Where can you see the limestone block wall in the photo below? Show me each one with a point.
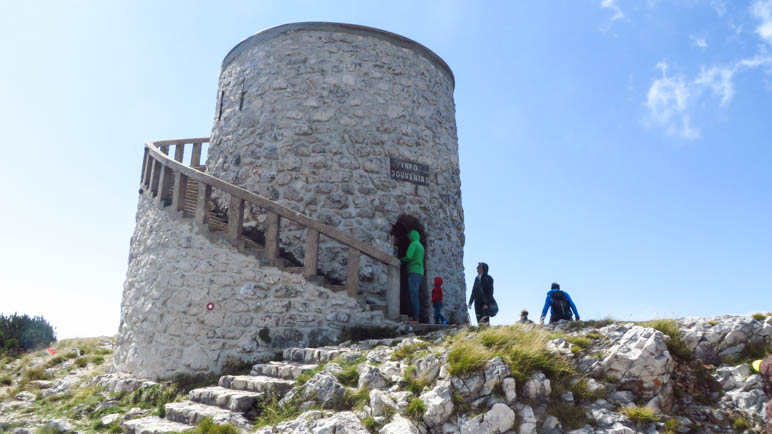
(309, 115)
(175, 272)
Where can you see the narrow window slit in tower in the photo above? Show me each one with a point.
(243, 92)
(222, 97)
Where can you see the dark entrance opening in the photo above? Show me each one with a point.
(399, 233)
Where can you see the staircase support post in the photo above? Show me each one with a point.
(235, 219)
(144, 168)
(272, 235)
(164, 186)
(352, 278)
(311, 253)
(195, 156)
(155, 174)
(392, 293)
(203, 206)
(178, 194)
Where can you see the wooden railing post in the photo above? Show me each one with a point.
(179, 151)
(148, 171)
(272, 236)
(392, 293)
(352, 278)
(144, 168)
(164, 186)
(165, 149)
(202, 205)
(155, 175)
(311, 253)
(235, 219)
(195, 156)
(178, 192)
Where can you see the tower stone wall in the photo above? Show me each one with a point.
(315, 116)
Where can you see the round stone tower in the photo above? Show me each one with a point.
(355, 127)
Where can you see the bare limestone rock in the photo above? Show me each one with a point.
(323, 389)
(399, 425)
(427, 368)
(381, 403)
(495, 372)
(537, 388)
(439, 404)
(370, 377)
(498, 419)
(641, 362)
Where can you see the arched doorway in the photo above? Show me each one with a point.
(399, 233)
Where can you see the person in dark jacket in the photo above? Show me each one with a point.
(482, 292)
(554, 296)
(437, 301)
(524, 317)
(765, 369)
(415, 270)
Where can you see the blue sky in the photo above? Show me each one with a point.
(618, 147)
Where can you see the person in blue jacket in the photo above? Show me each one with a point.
(560, 303)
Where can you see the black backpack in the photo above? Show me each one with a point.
(561, 309)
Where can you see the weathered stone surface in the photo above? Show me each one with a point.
(381, 403)
(439, 404)
(510, 389)
(427, 368)
(537, 388)
(640, 360)
(60, 425)
(499, 419)
(234, 400)
(191, 413)
(495, 372)
(551, 425)
(323, 389)
(399, 425)
(469, 387)
(370, 377)
(154, 425)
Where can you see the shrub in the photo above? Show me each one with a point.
(675, 345)
(640, 415)
(415, 409)
(81, 362)
(349, 376)
(739, 423)
(671, 426)
(5, 380)
(759, 316)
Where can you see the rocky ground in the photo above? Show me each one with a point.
(687, 375)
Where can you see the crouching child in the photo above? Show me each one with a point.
(437, 301)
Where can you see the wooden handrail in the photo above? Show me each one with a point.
(261, 202)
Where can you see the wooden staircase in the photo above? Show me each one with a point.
(187, 191)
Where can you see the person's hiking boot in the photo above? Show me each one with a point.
(444, 322)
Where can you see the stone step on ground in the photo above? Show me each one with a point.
(283, 370)
(256, 383)
(191, 413)
(315, 355)
(228, 399)
(154, 425)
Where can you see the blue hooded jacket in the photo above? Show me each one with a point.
(548, 303)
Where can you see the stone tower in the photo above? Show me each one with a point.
(351, 126)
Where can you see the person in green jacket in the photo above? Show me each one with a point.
(415, 270)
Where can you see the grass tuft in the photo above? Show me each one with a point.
(271, 412)
(640, 415)
(415, 409)
(407, 351)
(759, 316)
(207, 426)
(740, 423)
(570, 415)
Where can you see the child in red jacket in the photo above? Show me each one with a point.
(437, 301)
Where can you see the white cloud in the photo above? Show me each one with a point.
(609, 4)
(668, 101)
(719, 6)
(700, 42)
(719, 80)
(762, 9)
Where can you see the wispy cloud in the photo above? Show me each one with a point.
(668, 101)
(699, 42)
(762, 9)
(719, 6)
(671, 98)
(610, 4)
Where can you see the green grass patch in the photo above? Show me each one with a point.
(349, 376)
(271, 412)
(371, 425)
(675, 345)
(595, 324)
(408, 351)
(5, 380)
(671, 426)
(640, 415)
(412, 384)
(207, 426)
(56, 361)
(759, 316)
(81, 362)
(415, 409)
(581, 391)
(751, 352)
(113, 427)
(579, 341)
(356, 399)
(96, 359)
(307, 375)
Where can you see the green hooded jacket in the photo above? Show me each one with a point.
(415, 254)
